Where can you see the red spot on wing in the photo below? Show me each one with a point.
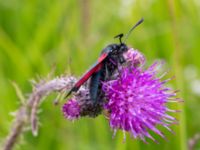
(102, 57)
(96, 67)
(92, 70)
(88, 74)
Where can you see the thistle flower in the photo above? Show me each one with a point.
(135, 99)
(134, 58)
(137, 102)
(81, 105)
(71, 109)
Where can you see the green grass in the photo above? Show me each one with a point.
(35, 35)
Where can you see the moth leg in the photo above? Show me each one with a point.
(122, 60)
(106, 72)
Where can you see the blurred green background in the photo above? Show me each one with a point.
(36, 35)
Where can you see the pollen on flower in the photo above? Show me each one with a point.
(137, 102)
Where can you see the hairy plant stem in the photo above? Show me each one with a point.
(27, 113)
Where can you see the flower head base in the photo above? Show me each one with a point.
(137, 102)
(81, 105)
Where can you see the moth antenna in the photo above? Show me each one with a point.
(129, 32)
(120, 37)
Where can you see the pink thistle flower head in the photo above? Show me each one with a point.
(81, 105)
(135, 99)
(137, 102)
(71, 109)
(134, 57)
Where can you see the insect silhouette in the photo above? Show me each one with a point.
(107, 63)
